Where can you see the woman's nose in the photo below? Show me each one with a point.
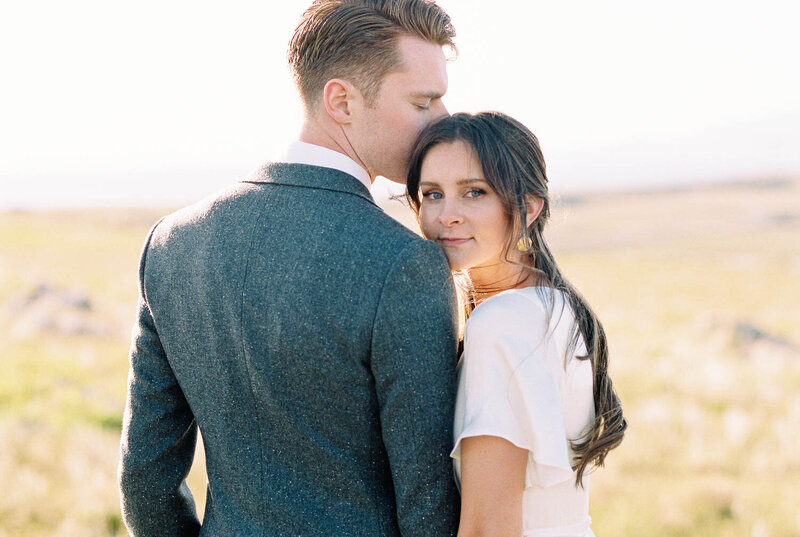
(450, 216)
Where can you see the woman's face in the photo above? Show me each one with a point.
(462, 213)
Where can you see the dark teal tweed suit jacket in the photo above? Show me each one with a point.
(312, 339)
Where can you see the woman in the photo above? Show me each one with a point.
(535, 408)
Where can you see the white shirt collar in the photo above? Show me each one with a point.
(316, 155)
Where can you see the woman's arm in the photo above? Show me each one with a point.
(492, 481)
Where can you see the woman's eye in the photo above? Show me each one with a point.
(432, 195)
(475, 193)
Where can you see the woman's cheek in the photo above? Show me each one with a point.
(425, 225)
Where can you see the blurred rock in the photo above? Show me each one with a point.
(749, 333)
(744, 340)
(784, 218)
(45, 310)
(758, 345)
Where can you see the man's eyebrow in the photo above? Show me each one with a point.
(428, 95)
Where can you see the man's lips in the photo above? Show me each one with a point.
(452, 241)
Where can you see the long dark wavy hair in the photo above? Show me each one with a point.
(513, 165)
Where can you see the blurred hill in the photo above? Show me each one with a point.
(718, 154)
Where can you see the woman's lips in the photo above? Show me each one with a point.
(452, 241)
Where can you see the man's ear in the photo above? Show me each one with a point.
(338, 97)
(535, 206)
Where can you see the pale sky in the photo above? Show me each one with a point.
(162, 102)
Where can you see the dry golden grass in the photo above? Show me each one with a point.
(698, 290)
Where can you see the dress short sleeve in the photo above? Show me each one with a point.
(509, 386)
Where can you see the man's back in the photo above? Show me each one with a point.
(313, 340)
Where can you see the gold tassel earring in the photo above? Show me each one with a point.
(524, 244)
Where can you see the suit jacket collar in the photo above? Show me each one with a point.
(299, 152)
(308, 176)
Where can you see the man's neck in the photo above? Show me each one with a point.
(327, 137)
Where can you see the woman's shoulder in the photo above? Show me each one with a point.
(516, 309)
(517, 319)
(521, 322)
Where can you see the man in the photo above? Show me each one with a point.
(309, 337)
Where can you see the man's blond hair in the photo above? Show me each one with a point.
(356, 40)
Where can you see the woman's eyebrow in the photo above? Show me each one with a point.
(459, 182)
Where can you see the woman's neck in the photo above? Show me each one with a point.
(484, 285)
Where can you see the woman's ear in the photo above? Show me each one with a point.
(535, 206)
(337, 97)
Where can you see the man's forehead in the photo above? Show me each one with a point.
(418, 53)
(424, 80)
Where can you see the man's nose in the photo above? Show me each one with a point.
(439, 110)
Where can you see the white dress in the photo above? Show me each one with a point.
(515, 383)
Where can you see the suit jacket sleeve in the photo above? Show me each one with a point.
(414, 363)
(158, 436)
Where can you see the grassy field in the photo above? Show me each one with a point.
(699, 290)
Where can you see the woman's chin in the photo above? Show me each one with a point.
(456, 264)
